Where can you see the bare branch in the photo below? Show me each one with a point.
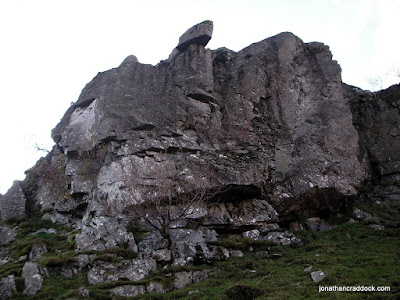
(39, 148)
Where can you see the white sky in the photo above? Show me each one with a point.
(49, 50)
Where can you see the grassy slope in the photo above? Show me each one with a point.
(350, 254)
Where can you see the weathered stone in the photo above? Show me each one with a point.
(186, 242)
(183, 279)
(12, 204)
(32, 274)
(271, 136)
(37, 251)
(361, 215)
(84, 259)
(199, 34)
(134, 270)
(252, 234)
(237, 253)
(308, 269)
(162, 255)
(152, 243)
(296, 226)
(267, 228)
(316, 224)
(104, 233)
(128, 290)
(318, 276)
(155, 287)
(7, 234)
(376, 227)
(7, 287)
(282, 238)
(83, 292)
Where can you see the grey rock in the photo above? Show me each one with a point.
(316, 224)
(282, 238)
(308, 269)
(152, 243)
(12, 204)
(187, 242)
(104, 233)
(37, 251)
(361, 215)
(183, 279)
(7, 234)
(32, 274)
(22, 258)
(267, 228)
(83, 292)
(134, 270)
(162, 255)
(128, 290)
(377, 119)
(155, 287)
(236, 253)
(318, 276)
(199, 34)
(84, 260)
(252, 234)
(296, 226)
(210, 104)
(377, 227)
(7, 287)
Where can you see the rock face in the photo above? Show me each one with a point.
(267, 120)
(12, 204)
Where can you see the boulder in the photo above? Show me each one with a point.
(134, 270)
(128, 290)
(318, 276)
(32, 274)
(199, 34)
(155, 287)
(7, 287)
(7, 234)
(183, 279)
(37, 251)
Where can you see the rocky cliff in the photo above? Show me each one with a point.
(209, 141)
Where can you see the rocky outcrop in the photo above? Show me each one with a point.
(377, 119)
(268, 117)
(12, 204)
(203, 144)
(104, 233)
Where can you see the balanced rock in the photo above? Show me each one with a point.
(199, 34)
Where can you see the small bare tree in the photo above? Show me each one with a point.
(165, 202)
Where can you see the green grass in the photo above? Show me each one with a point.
(350, 254)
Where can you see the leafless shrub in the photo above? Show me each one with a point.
(166, 202)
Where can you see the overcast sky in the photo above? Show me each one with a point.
(51, 48)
